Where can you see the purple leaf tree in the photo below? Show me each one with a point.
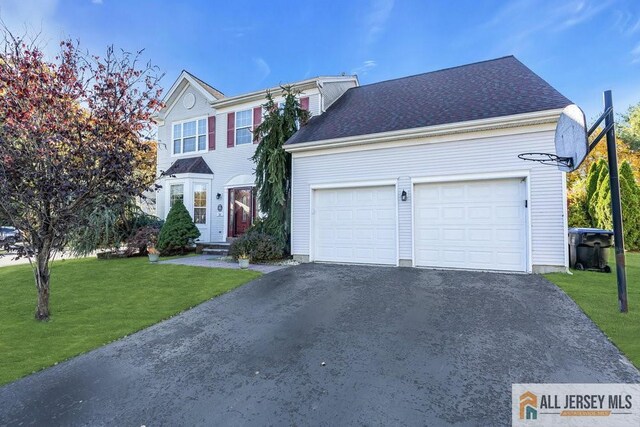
(74, 133)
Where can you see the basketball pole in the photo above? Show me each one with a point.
(616, 206)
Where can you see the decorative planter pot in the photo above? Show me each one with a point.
(243, 262)
(154, 257)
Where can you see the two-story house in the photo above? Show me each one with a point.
(205, 145)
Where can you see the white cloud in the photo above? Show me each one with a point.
(626, 22)
(579, 13)
(263, 68)
(364, 68)
(376, 19)
(524, 20)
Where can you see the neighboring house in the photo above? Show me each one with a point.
(423, 171)
(205, 145)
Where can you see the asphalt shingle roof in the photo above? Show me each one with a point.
(494, 88)
(212, 90)
(190, 165)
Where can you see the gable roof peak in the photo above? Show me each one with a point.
(211, 93)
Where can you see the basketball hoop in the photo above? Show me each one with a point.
(572, 147)
(571, 142)
(549, 159)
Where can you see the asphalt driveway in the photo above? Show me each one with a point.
(400, 346)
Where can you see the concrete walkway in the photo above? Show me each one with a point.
(213, 262)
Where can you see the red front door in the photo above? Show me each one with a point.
(241, 210)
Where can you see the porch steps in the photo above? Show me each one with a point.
(213, 248)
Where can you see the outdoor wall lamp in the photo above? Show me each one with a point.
(218, 196)
(403, 196)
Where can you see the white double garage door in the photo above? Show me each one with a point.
(478, 225)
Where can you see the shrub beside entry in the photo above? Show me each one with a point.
(178, 231)
(257, 246)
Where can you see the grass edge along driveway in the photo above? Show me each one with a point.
(94, 302)
(597, 295)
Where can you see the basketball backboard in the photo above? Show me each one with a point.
(571, 138)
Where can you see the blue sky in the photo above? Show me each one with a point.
(579, 46)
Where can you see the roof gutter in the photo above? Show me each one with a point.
(517, 120)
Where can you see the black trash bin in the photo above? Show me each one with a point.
(589, 249)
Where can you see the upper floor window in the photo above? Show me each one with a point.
(190, 136)
(244, 121)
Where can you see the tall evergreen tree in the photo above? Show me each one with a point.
(273, 163)
(630, 195)
(602, 200)
(577, 206)
(592, 189)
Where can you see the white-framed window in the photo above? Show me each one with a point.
(244, 122)
(199, 203)
(189, 136)
(176, 192)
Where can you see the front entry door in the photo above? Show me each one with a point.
(241, 210)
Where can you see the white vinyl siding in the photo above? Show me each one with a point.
(488, 154)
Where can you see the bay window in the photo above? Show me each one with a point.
(176, 192)
(199, 203)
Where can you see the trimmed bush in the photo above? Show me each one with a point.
(178, 231)
(258, 246)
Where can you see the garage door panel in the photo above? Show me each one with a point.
(387, 215)
(475, 224)
(479, 235)
(478, 193)
(428, 234)
(479, 257)
(362, 231)
(428, 213)
(509, 258)
(508, 212)
(452, 192)
(506, 235)
(454, 234)
(479, 212)
(363, 196)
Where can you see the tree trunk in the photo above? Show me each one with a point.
(42, 283)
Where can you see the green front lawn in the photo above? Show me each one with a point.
(597, 295)
(94, 302)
